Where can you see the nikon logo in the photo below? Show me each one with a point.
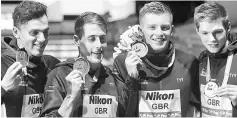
(35, 100)
(98, 100)
(159, 96)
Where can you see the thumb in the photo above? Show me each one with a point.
(18, 79)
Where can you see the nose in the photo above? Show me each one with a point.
(98, 43)
(42, 37)
(212, 38)
(159, 32)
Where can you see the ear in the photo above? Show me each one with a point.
(16, 32)
(172, 30)
(228, 27)
(197, 30)
(76, 40)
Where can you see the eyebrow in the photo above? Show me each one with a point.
(39, 29)
(97, 35)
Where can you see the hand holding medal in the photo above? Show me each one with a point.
(83, 66)
(132, 40)
(23, 58)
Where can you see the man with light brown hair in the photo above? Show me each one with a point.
(218, 63)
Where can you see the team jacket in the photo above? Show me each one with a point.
(101, 98)
(218, 106)
(24, 101)
(168, 95)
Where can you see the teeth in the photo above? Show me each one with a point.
(40, 46)
(158, 39)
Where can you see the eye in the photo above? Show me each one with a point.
(46, 34)
(218, 33)
(165, 27)
(34, 33)
(103, 39)
(91, 38)
(204, 33)
(152, 27)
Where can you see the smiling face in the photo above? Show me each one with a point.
(33, 36)
(157, 29)
(93, 42)
(212, 34)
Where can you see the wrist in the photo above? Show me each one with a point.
(6, 88)
(70, 97)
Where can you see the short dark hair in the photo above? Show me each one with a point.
(155, 8)
(210, 12)
(28, 10)
(88, 18)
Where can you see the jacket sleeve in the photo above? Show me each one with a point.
(5, 64)
(127, 88)
(54, 94)
(195, 93)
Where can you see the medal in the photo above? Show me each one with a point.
(140, 48)
(211, 88)
(22, 57)
(81, 65)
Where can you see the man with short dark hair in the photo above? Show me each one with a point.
(64, 96)
(218, 63)
(164, 82)
(31, 35)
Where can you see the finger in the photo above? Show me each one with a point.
(78, 81)
(120, 46)
(131, 54)
(17, 70)
(227, 94)
(18, 79)
(226, 90)
(231, 86)
(74, 72)
(76, 76)
(115, 54)
(137, 63)
(123, 43)
(117, 50)
(136, 58)
(71, 75)
(14, 65)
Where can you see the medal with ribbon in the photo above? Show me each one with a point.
(212, 84)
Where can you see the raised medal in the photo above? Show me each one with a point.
(22, 57)
(81, 65)
(140, 48)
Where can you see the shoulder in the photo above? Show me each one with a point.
(50, 61)
(183, 57)
(121, 58)
(60, 71)
(119, 61)
(202, 56)
(187, 60)
(57, 75)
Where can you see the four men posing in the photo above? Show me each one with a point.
(166, 82)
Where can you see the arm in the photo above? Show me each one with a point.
(58, 100)
(195, 94)
(11, 77)
(127, 88)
